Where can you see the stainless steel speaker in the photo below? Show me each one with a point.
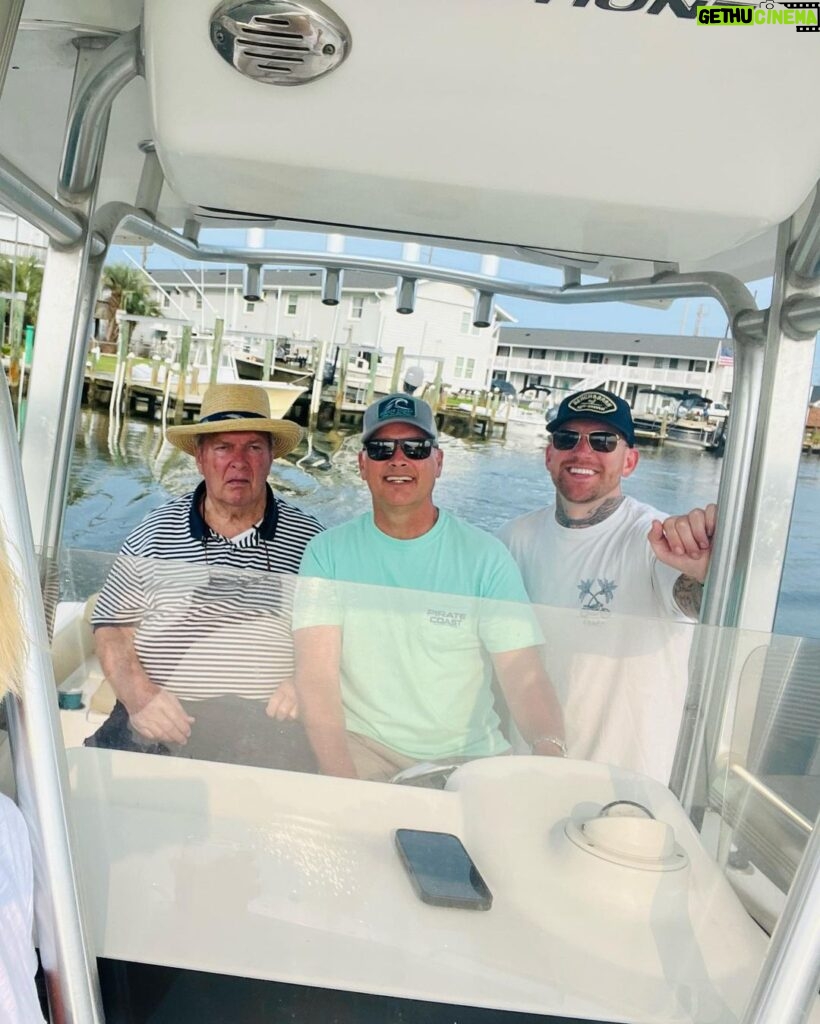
(280, 42)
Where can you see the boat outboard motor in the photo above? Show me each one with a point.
(413, 379)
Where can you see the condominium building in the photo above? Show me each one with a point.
(645, 369)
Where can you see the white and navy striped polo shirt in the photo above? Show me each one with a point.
(212, 616)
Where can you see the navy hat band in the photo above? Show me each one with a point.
(217, 417)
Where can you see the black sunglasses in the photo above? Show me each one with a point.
(413, 448)
(599, 440)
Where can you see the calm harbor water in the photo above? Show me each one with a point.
(117, 477)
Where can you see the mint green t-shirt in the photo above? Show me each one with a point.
(420, 619)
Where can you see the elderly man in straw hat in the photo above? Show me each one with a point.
(192, 626)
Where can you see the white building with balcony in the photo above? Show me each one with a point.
(365, 322)
(642, 368)
(19, 239)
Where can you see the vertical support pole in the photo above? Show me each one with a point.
(395, 380)
(184, 356)
(435, 398)
(755, 501)
(786, 988)
(341, 387)
(320, 358)
(269, 359)
(123, 345)
(10, 11)
(66, 950)
(216, 349)
(70, 283)
(371, 378)
(16, 315)
(775, 463)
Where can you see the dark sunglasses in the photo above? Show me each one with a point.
(599, 440)
(413, 448)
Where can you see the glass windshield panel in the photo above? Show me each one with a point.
(579, 887)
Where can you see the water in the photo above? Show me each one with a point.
(116, 480)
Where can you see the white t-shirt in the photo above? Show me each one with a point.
(617, 645)
(18, 996)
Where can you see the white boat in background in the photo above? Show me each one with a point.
(281, 394)
(241, 877)
(197, 380)
(697, 432)
(693, 422)
(522, 413)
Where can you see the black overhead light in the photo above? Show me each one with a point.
(483, 309)
(406, 295)
(331, 286)
(252, 283)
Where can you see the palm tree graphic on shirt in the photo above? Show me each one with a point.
(595, 595)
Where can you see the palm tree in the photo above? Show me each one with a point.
(27, 277)
(125, 288)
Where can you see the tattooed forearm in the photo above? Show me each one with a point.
(598, 515)
(688, 593)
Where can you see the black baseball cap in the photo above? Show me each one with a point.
(600, 405)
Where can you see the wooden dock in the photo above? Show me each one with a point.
(129, 385)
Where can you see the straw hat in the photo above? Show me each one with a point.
(231, 408)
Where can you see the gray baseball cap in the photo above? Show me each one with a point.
(398, 408)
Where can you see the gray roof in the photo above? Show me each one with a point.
(352, 280)
(611, 341)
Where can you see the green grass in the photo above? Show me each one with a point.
(107, 363)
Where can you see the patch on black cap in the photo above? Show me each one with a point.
(593, 401)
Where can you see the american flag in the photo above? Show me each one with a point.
(725, 357)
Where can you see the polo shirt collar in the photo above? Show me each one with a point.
(201, 531)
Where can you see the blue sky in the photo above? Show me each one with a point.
(685, 316)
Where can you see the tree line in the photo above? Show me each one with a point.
(122, 288)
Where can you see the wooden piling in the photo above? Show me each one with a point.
(216, 350)
(371, 379)
(395, 380)
(340, 390)
(269, 361)
(123, 344)
(184, 356)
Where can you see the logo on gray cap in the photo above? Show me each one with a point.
(394, 408)
(398, 408)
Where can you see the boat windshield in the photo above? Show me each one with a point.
(582, 888)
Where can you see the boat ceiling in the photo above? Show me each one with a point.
(577, 130)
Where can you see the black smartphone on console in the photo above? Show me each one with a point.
(441, 871)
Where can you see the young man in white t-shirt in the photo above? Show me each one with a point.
(618, 584)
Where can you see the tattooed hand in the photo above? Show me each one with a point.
(685, 542)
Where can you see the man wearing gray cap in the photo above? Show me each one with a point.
(402, 616)
(629, 577)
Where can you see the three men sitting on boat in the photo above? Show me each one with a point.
(402, 614)
(192, 627)
(616, 581)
